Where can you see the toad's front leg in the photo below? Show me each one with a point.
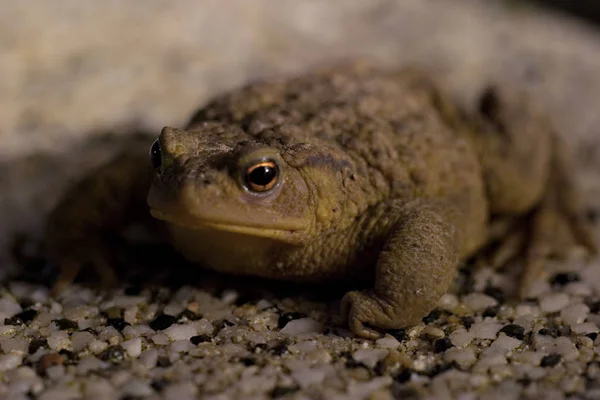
(415, 268)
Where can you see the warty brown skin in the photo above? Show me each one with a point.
(380, 176)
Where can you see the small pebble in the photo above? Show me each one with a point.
(550, 360)
(59, 340)
(388, 341)
(513, 330)
(563, 278)
(180, 332)
(485, 329)
(48, 360)
(442, 345)
(461, 337)
(287, 317)
(554, 302)
(302, 325)
(133, 347)
(369, 357)
(162, 322)
(574, 314)
(479, 301)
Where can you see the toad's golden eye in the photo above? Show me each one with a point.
(261, 177)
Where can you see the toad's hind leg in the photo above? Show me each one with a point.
(528, 178)
(83, 228)
(558, 223)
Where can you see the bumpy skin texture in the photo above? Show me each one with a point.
(380, 177)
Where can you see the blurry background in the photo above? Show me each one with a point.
(73, 70)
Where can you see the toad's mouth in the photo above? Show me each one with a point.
(287, 231)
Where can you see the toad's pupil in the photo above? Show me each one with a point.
(155, 155)
(262, 176)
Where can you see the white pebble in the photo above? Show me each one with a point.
(10, 361)
(485, 329)
(97, 346)
(160, 339)
(130, 315)
(111, 335)
(503, 345)
(55, 372)
(14, 345)
(180, 391)
(526, 321)
(566, 348)
(574, 314)
(181, 346)
(99, 389)
(461, 337)
(149, 358)
(80, 340)
(479, 301)
(59, 340)
(584, 328)
(89, 363)
(362, 390)
(61, 392)
(180, 332)
(9, 307)
(137, 388)
(527, 310)
(302, 325)
(388, 342)
(309, 376)
(464, 357)
(133, 347)
(448, 302)
(553, 302)
(303, 347)
(370, 357)
(263, 304)
(204, 327)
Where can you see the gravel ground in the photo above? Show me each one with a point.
(224, 337)
(220, 341)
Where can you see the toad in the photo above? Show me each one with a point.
(345, 173)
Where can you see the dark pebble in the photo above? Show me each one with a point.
(563, 278)
(514, 330)
(548, 332)
(222, 324)
(351, 363)
(248, 361)
(467, 321)
(280, 391)
(117, 323)
(66, 324)
(196, 340)
(403, 376)
(438, 369)
(70, 357)
(162, 322)
(287, 317)
(279, 349)
(595, 307)
(441, 345)
(592, 335)
(491, 311)
(21, 318)
(495, 292)
(379, 369)
(432, 316)
(550, 360)
(399, 334)
(163, 362)
(114, 354)
(159, 384)
(37, 344)
(188, 315)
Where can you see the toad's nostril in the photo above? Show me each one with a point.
(156, 155)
